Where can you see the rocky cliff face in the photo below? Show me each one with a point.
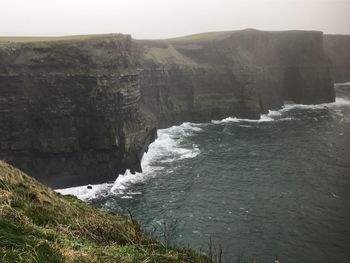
(70, 111)
(337, 47)
(242, 74)
(82, 110)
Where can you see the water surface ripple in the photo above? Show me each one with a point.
(278, 186)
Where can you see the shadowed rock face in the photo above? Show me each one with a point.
(81, 111)
(337, 47)
(241, 74)
(70, 111)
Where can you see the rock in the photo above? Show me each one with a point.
(61, 119)
(243, 73)
(337, 48)
(83, 110)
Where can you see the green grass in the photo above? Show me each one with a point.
(40, 225)
(194, 37)
(24, 39)
(169, 55)
(219, 35)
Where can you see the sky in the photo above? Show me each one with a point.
(149, 19)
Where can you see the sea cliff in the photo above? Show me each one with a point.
(70, 111)
(337, 48)
(83, 109)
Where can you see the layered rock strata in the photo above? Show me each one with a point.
(83, 109)
(243, 74)
(70, 111)
(337, 48)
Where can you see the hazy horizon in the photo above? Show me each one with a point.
(171, 18)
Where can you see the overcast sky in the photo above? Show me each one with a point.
(169, 18)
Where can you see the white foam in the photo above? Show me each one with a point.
(338, 102)
(342, 84)
(275, 115)
(83, 193)
(126, 197)
(263, 118)
(187, 154)
(134, 193)
(190, 126)
(342, 101)
(123, 181)
(169, 148)
(166, 149)
(229, 119)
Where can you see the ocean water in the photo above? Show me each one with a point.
(257, 189)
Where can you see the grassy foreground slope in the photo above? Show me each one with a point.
(40, 225)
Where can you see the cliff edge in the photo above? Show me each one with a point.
(40, 225)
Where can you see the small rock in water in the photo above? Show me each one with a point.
(89, 186)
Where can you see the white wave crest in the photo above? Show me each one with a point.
(166, 149)
(84, 193)
(342, 84)
(339, 101)
(169, 148)
(190, 126)
(276, 114)
(342, 101)
(263, 118)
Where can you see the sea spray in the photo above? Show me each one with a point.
(166, 149)
(169, 148)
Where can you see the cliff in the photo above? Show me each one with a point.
(337, 47)
(70, 111)
(236, 73)
(83, 109)
(40, 225)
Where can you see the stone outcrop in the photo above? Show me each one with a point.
(84, 109)
(337, 47)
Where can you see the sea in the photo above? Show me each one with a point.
(255, 189)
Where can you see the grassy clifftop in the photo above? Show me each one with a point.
(40, 225)
(26, 39)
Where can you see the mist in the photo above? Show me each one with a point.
(163, 19)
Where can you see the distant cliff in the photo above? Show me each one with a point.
(243, 73)
(337, 47)
(82, 109)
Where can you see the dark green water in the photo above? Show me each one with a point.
(279, 186)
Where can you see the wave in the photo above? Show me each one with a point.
(84, 193)
(263, 118)
(169, 147)
(342, 84)
(277, 115)
(344, 101)
(339, 101)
